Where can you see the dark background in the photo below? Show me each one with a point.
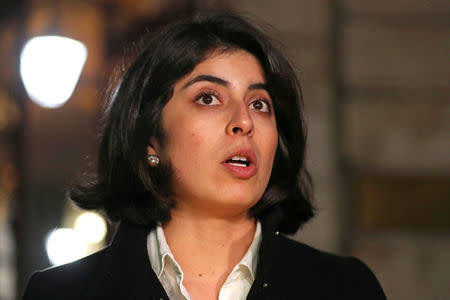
(376, 81)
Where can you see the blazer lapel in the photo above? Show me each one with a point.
(125, 272)
(267, 259)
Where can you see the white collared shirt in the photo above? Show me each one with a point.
(169, 273)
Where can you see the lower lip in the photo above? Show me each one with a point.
(241, 172)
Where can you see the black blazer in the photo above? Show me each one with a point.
(286, 270)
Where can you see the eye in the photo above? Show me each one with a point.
(207, 99)
(260, 105)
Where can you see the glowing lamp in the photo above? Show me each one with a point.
(64, 245)
(50, 67)
(91, 227)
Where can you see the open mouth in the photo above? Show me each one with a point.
(241, 163)
(238, 161)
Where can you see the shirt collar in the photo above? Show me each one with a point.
(158, 250)
(250, 258)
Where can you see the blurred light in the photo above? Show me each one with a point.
(50, 67)
(91, 227)
(64, 245)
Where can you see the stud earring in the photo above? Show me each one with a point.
(153, 160)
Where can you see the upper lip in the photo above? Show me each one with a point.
(246, 152)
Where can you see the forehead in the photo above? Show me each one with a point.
(231, 64)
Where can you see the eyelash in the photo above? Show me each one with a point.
(204, 94)
(266, 102)
(215, 95)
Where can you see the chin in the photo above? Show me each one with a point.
(238, 203)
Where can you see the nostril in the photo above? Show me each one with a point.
(235, 129)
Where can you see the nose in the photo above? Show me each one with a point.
(241, 122)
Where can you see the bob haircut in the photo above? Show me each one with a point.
(127, 189)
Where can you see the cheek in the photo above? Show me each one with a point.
(271, 147)
(270, 140)
(185, 143)
(272, 151)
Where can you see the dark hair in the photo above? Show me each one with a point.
(128, 189)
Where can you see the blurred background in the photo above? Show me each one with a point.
(375, 76)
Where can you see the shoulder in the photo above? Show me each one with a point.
(323, 272)
(298, 252)
(66, 281)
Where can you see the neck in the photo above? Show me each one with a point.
(206, 245)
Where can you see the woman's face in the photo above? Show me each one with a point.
(221, 135)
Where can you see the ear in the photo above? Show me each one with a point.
(152, 147)
(151, 150)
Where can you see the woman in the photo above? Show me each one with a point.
(202, 162)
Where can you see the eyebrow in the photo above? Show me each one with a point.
(220, 81)
(259, 86)
(209, 78)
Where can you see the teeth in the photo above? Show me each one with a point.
(239, 158)
(239, 161)
(238, 164)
